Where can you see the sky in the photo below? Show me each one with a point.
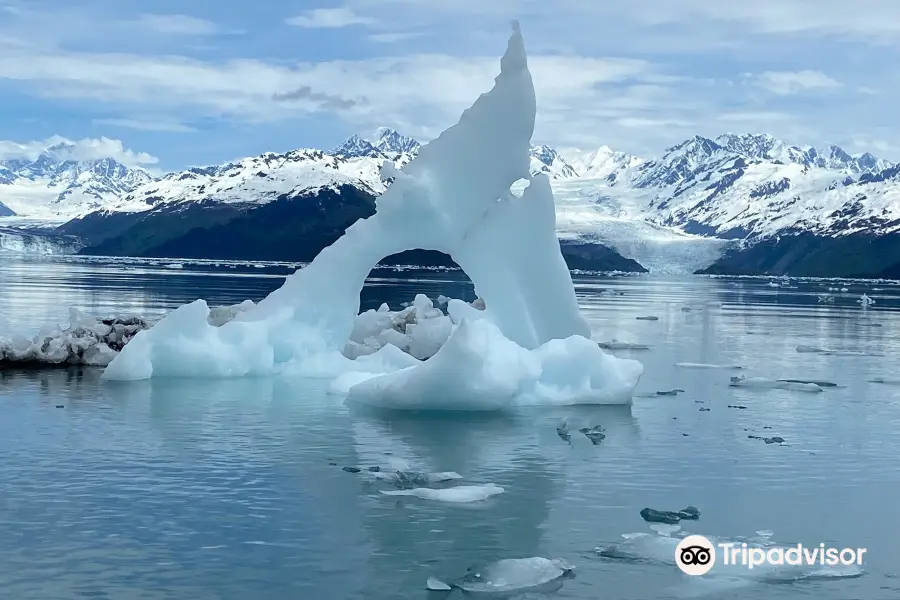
(168, 84)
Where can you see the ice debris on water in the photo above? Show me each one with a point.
(89, 341)
(690, 365)
(818, 382)
(670, 517)
(510, 576)
(86, 341)
(806, 349)
(436, 585)
(673, 392)
(596, 434)
(413, 479)
(457, 494)
(762, 383)
(617, 345)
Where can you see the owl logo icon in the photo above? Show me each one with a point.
(695, 555)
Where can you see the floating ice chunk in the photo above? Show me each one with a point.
(814, 350)
(174, 266)
(809, 349)
(410, 479)
(510, 576)
(436, 585)
(690, 365)
(617, 345)
(458, 494)
(761, 383)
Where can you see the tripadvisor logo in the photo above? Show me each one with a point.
(696, 555)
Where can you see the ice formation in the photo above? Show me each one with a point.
(529, 344)
(762, 383)
(509, 577)
(86, 341)
(458, 494)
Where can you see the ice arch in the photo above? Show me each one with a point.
(455, 198)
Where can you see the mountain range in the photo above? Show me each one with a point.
(777, 208)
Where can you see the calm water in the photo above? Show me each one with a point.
(225, 490)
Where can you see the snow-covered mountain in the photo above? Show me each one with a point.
(54, 187)
(753, 186)
(734, 186)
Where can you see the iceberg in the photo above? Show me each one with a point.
(526, 343)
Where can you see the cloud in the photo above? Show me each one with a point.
(390, 38)
(327, 101)
(329, 18)
(148, 124)
(753, 117)
(178, 25)
(785, 83)
(79, 150)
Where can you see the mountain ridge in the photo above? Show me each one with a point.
(746, 187)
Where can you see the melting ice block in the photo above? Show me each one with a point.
(529, 344)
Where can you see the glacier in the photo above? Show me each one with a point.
(529, 345)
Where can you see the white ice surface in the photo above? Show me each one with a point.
(690, 365)
(459, 494)
(529, 345)
(762, 383)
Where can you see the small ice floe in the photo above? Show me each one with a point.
(773, 284)
(762, 383)
(826, 298)
(174, 266)
(769, 440)
(865, 301)
(670, 517)
(673, 392)
(819, 382)
(510, 576)
(815, 350)
(885, 381)
(413, 479)
(844, 290)
(690, 365)
(596, 434)
(617, 345)
(803, 348)
(648, 318)
(457, 495)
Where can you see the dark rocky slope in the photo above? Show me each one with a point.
(286, 229)
(811, 255)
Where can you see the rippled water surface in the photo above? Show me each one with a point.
(234, 489)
